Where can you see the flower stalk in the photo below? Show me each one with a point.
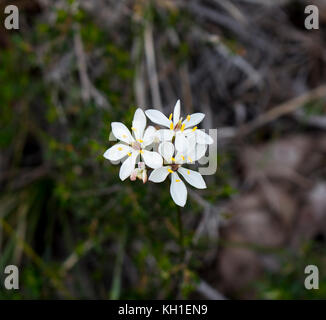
(181, 234)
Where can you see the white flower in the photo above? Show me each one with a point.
(178, 128)
(133, 146)
(178, 189)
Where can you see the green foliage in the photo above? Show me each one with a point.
(314, 108)
(288, 282)
(73, 227)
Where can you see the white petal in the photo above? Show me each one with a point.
(194, 119)
(194, 178)
(191, 155)
(121, 132)
(152, 159)
(203, 138)
(166, 150)
(200, 151)
(149, 136)
(159, 175)
(180, 158)
(178, 190)
(181, 142)
(176, 113)
(128, 166)
(139, 123)
(189, 132)
(158, 117)
(191, 136)
(117, 152)
(195, 151)
(165, 134)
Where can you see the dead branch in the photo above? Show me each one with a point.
(281, 110)
(88, 89)
(151, 66)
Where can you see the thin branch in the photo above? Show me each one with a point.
(88, 89)
(37, 260)
(82, 68)
(282, 109)
(139, 79)
(209, 292)
(151, 66)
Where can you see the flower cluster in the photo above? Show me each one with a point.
(178, 144)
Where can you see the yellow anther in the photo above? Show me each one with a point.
(129, 154)
(140, 140)
(182, 157)
(188, 171)
(189, 159)
(120, 149)
(188, 118)
(170, 170)
(177, 180)
(194, 129)
(172, 159)
(133, 129)
(171, 125)
(141, 151)
(170, 117)
(182, 127)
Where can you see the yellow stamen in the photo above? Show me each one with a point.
(140, 140)
(177, 180)
(172, 159)
(194, 129)
(170, 117)
(188, 171)
(189, 159)
(170, 170)
(171, 125)
(182, 157)
(120, 149)
(133, 129)
(188, 118)
(141, 151)
(182, 127)
(129, 154)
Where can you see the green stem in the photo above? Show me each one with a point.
(182, 250)
(181, 239)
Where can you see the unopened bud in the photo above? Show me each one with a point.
(144, 176)
(133, 175)
(141, 165)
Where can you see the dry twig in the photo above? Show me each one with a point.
(281, 110)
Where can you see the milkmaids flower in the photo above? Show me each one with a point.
(178, 189)
(179, 128)
(134, 145)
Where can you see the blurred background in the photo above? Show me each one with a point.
(77, 232)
